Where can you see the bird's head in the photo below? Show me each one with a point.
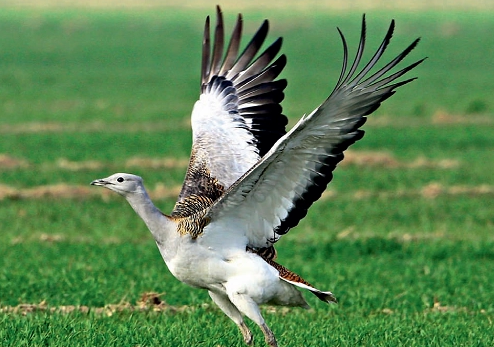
(122, 183)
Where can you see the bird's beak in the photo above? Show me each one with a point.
(100, 182)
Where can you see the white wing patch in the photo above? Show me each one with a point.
(220, 132)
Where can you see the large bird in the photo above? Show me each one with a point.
(249, 181)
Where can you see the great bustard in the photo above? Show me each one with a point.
(249, 181)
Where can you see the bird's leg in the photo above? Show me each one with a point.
(233, 313)
(250, 308)
(246, 333)
(268, 335)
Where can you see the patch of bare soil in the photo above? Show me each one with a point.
(79, 165)
(387, 160)
(370, 158)
(7, 162)
(407, 237)
(148, 302)
(353, 234)
(57, 191)
(434, 190)
(438, 307)
(33, 127)
(66, 191)
(51, 238)
(422, 162)
(7, 192)
(95, 126)
(445, 118)
(430, 191)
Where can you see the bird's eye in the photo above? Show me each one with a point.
(120, 179)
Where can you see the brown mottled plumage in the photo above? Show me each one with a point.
(199, 191)
(193, 224)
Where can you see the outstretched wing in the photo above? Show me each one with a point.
(276, 193)
(238, 117)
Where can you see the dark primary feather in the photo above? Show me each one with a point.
(361, 105)
(250, 51)
(259, 95)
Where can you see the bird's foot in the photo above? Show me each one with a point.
(269, 336)
(246, 333)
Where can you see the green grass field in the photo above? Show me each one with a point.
(404, 236)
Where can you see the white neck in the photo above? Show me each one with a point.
(160, 225)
